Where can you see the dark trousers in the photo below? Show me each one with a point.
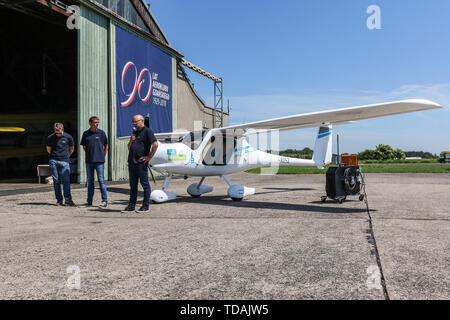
(138, 172)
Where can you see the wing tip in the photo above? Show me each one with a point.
(424, 102)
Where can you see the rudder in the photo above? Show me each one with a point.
(323, 147)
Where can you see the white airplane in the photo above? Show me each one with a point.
(222, 151)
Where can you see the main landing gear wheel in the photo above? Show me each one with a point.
(237, 199)
(195, 190)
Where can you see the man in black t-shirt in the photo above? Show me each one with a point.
(95, 145)
(60, 147)
(142, 146)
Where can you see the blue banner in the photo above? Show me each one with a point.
(143, 83)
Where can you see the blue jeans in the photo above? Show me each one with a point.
(100, 168)
(61, 172)
(139, 172)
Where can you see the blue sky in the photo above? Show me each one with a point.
(287, 57)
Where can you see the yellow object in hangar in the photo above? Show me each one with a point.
(11, 129)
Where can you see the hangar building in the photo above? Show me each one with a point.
(65, 61)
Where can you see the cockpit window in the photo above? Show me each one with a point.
(193, 139)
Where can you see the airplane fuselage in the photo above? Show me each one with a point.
(178, 158)
(222, 151)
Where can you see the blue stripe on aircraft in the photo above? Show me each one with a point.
(241, 149)
(323, 135)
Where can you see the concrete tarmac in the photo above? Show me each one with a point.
(281, 243)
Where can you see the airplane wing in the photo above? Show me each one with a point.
(315, 119)
(337, 116)
(171, 135)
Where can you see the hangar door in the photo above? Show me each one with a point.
(38, 57)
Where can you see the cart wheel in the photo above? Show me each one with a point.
(323, 198)
(361, 197)
(340, 200)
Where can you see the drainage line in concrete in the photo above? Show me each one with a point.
(372, 234)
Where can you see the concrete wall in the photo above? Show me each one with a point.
(190, 108)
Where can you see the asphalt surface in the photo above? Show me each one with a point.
(281, 243)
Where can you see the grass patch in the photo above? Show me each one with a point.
(370, 168)
(399, 161)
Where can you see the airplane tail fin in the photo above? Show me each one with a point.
(323, 146)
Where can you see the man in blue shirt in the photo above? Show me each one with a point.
(60, 147)
(142, 146)
(95, 145)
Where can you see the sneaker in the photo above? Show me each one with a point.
(85, 205)
(103, 204)
(70, 204)
(128, 209)
(142, 209)
(59, 204)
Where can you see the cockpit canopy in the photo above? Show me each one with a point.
(193, 139)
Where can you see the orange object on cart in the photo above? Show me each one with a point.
(349, 159)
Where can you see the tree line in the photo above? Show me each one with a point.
(381, 152)
(386, 152)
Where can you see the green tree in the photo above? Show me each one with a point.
(384, 152)
(367, 155)
(399, 154)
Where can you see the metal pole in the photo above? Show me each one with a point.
(338, 155)
(215, 104)
(221, 104)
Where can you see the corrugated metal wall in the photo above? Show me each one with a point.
(92, 78)
(119, 152)
(97, 87)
